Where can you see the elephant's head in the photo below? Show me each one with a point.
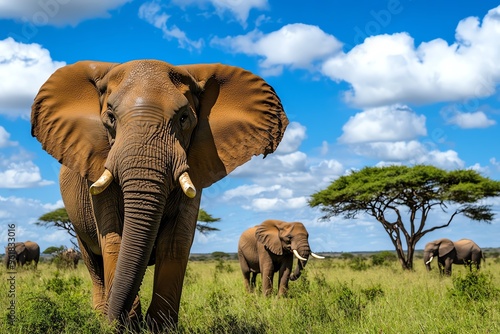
(151, 129)
(281, 238)
(439, 248)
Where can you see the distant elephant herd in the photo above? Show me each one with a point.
(270, 247)
(25, 253)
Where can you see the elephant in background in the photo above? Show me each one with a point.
(463, 251)
(72, 256)
(138, 141)
(22, 253)
(270, 247)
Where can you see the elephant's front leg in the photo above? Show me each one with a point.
(284, 276)
(267, 270)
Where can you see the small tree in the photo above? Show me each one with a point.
(204, 219)
(58, 219)
(54, 250)
(382, 191)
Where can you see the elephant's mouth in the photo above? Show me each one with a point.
(106, 178)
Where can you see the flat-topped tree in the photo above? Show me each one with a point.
(383, 192)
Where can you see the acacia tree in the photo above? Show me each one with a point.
(59, 219)
(204, 219)
(385, 192)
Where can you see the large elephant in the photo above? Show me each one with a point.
(137, 142)
(463, 251)
(21, 253)
(270, 247)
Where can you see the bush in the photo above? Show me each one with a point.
(373, 292)
(358, 263)
(383, 258)
(348, 302)
(61, 305)
(474, 286)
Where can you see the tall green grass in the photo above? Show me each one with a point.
(332, 296)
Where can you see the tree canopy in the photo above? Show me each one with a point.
(385, 192)
(204, 219)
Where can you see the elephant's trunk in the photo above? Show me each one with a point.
(302, 253)
(428, 257)
(146, 173)
(142, 217)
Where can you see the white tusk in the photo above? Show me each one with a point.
(430, 260)
(102, 183)
(187, 185)
(298, 256)
(317, 256)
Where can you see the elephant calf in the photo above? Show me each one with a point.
(268, 248)
(463, 251)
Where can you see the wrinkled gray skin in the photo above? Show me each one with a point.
(23, 253)
(267, 249)
(447, 252)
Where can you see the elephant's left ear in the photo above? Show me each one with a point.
(268, 233)
(240, 116)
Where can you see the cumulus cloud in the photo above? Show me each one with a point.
(387, 69)
(57, 13)
(27, 66)
(239, 9)
(294, 136)
(152, 13)
(469, 120)
(5, 138)
(392, 123)
(17, 175)
(294, 45)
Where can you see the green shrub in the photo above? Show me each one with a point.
(348, 302)
(474, 286)
(373, 292)
(383, 258)
(60, 305)
(358, 263)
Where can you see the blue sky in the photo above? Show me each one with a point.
(363, 84)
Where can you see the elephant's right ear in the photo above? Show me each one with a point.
(445, 247)
(65, 118)
(268, 234)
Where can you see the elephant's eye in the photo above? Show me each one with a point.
(184, 118)
(111, 117)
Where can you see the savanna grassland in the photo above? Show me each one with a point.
(341, 295)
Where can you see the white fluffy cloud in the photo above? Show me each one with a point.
(57, 12)
(27, 66)
(393, 123)
(294, 45)
(21, 175)
(387, 69)
(5, 138)
(152, 13)
(294, 136)
(472, 120)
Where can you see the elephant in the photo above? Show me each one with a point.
(21, 253)
(137, 142)
(270, 247)
(71, 256)
(463, 251)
